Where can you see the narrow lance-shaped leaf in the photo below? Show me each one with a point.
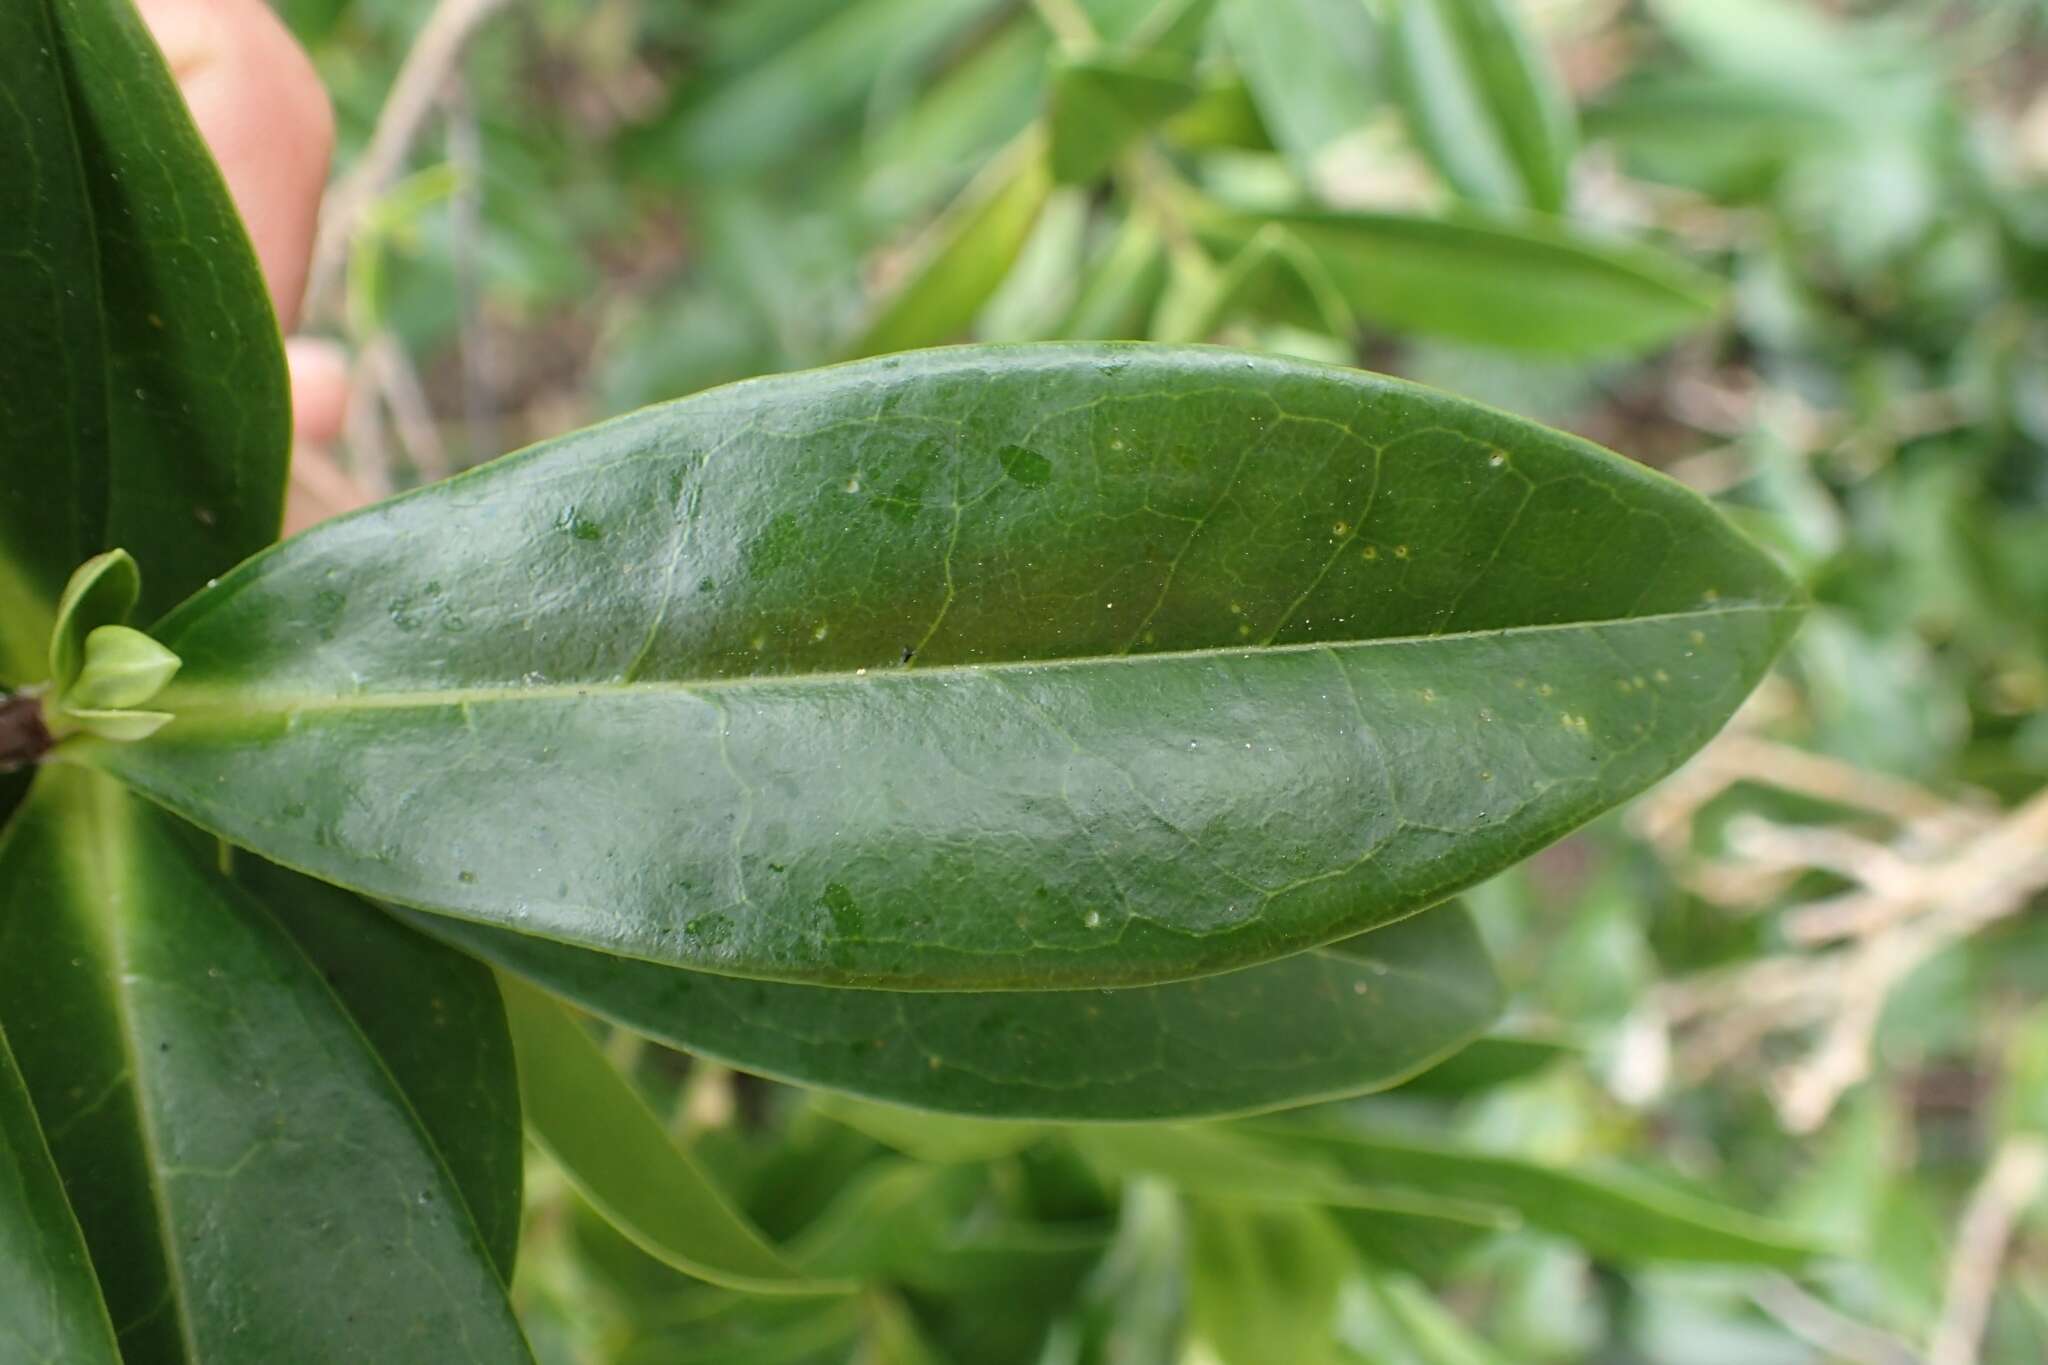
(251, 1184)
(54, 1310)
(1484, 101)
(623, 1161)
(1008, 668)
(1608, 1213)
(1353, 1017)
(965, 255)
(1099, 105)
(142, 381)
(1312, 67)
(1532, 285)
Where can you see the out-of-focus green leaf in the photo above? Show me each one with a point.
(1533, 285)
(1264, 1283)
(963, 257)
(54, 1311)
(1150, 596)
(1312, 67)
(142, 382)
(769, 109)
(1218, 1162)
(1223, 115)
(1199, 297)
(1612, 1214)
(1339, 1020)
(1483, 101)
(755, 1331)
(1098, 105)
(937, 1138)
(1495, 1060)
(1118, 290)
(620, 1158)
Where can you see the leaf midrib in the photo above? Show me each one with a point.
(255, 701)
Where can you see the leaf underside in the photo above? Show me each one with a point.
(1336, 1021)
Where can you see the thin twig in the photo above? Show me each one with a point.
(414, 93)
(2014, 1180)
(1823, 1325)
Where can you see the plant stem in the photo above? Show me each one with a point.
(24, 739)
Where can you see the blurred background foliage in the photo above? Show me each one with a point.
(1793, 253)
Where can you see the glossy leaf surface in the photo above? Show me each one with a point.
(434, 1018)
(999, 668)
(1340, 1020)
(54, 1311)
(251, 1184)
(142, 381)
(623, 1161)
(1483, 101)
(1531, 285)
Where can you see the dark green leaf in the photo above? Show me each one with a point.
(1619, 1216)
(142, 382)
(1099, 105)
(623, 1161)
(251, 1184)
(53, 1309)
(1532, 285)
(1007, 668)
(434, 1018)
(1312, 67)
(1340, 1020)
(1484, 102)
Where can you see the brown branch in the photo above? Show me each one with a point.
(24, 739)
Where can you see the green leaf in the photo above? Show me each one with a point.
(1484, 102)
(1312, 66)
(101, 592)
(619, 1157)
(142, 381)
(1498, 1059)
(250, 1183)
(1117, 291)
(123, 669)
(1012, 668)
(1264, 1283)
(1098, 105)
(1333, 1021)
(1201, 298)
(964, 256)
(54, 1311)
(434, 1018)
(778, 102)
(1218, 1162)
(1531, 285)
(1614, 1215)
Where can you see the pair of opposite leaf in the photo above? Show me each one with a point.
(103, 672)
